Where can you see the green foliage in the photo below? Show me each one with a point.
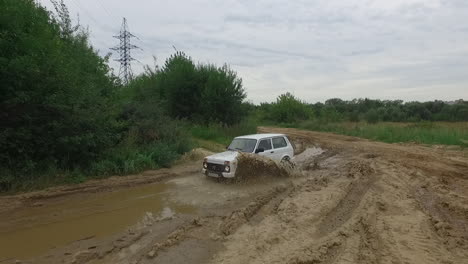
(64, 117)
(331, 116)
(372, 116)
(222, 95)
(202, 93)
(55, 93)
(179, 85)
(354, 116)
(337, 110)
(124, 160)
(287, 108)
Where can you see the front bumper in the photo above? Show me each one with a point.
(218, 174)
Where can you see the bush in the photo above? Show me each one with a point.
(203, 93)
(286, 109)
(372, 116)
(354, 116)
(125, 160)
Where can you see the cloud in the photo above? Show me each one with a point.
(407, 49)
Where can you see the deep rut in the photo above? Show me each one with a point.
(354, 193)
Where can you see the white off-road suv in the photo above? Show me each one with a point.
(224, 164)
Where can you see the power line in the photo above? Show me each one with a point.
(125, 58)
(85, 11)
(106, 10)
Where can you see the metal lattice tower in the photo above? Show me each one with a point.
(125, 72)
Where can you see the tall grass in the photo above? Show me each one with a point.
(126, 158)
(223, 134)
(443, 133)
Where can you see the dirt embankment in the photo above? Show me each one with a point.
(355, 201)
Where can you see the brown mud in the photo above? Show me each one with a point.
(351, 201)
(252, 167)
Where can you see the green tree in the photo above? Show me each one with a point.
(56, 92)
(202, 93)
(222, 96)
(288, 109)
(372, 116)
(354, 116)
(180, 85)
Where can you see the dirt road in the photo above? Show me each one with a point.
(350, 201)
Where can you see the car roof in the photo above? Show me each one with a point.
(260, 136)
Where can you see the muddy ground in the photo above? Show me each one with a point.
(350, 200)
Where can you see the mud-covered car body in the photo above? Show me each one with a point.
(274, 146)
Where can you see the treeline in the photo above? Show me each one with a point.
(64, 116)
(289, 109)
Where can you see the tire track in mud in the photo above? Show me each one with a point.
(363, 228)
(326, 253)
(241, 216)
(326, 245)
(328, 229)
(369, 246)
(401, 228)
(356, 190)
(449, 221)
(226, 224)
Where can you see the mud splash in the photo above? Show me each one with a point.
(254, 167)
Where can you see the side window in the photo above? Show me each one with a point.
(279, 142)
(265, 144)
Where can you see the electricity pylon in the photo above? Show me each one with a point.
(125, 71)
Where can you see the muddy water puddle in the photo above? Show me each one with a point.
(57, 222)
(32, 231)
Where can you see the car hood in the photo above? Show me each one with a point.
(223, 156)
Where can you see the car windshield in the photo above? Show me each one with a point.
(243, 144)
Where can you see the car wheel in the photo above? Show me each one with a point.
(286, 161)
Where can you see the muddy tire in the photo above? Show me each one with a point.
(286, 162)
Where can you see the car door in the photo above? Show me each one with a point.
(265, 144)
(280, 147)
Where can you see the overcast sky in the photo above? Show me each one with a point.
(383, 49)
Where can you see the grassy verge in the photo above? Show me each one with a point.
(443, 133)
(223, 134)
(124, 159)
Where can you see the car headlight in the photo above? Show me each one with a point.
(227, 167)
(205, 164)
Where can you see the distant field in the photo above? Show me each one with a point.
(445, 133)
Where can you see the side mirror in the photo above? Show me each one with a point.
(259, 150)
